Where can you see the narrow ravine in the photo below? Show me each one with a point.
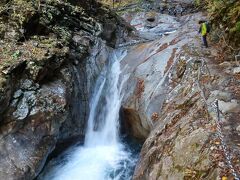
(67, 112)
(103, 155)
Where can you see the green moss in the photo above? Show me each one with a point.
(197, 2)
(237, 26)
(16, 54)
(179, 168)
(22, 11)
(195, 146)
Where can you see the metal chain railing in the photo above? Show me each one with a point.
(219, 133)
(222, 143)
(217, 120)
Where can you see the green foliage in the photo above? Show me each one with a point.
(14, 14)
(16, 54)
(225, 14)
(237, 26)
(22, 10)
(197, 2)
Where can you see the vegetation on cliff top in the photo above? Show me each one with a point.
(118, 3)
(225, 15)
(33, 34)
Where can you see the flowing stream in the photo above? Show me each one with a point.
(103, 155)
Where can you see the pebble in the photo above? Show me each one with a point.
(225, 64)
(221, 164)
(227, 128)
(212, 148)
(238, 128)
(227, 107)
(236, 70)
(35, 44)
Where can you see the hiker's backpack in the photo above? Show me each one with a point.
(208, 26)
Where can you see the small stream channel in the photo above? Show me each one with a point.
(105, 154)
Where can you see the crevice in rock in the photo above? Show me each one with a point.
(34, 27)
(131, 123)
(151, 19)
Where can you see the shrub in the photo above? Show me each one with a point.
(225, 14)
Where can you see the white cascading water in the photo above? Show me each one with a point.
(103, 156)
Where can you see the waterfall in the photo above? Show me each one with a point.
(103, 124)
(103, 156)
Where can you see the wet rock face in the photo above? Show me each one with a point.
(147, 66)
(152, 25)
(46, 76)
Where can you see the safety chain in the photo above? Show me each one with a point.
(217, 121)
(223, 144)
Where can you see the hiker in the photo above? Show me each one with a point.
(203, 30)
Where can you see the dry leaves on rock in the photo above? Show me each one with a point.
(154, 116)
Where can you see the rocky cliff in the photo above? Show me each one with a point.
(173, 84)
(51, 53)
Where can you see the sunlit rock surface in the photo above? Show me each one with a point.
(168, 82)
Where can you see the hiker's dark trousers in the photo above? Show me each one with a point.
(205, 40)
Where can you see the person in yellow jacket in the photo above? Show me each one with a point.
(203, 30)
